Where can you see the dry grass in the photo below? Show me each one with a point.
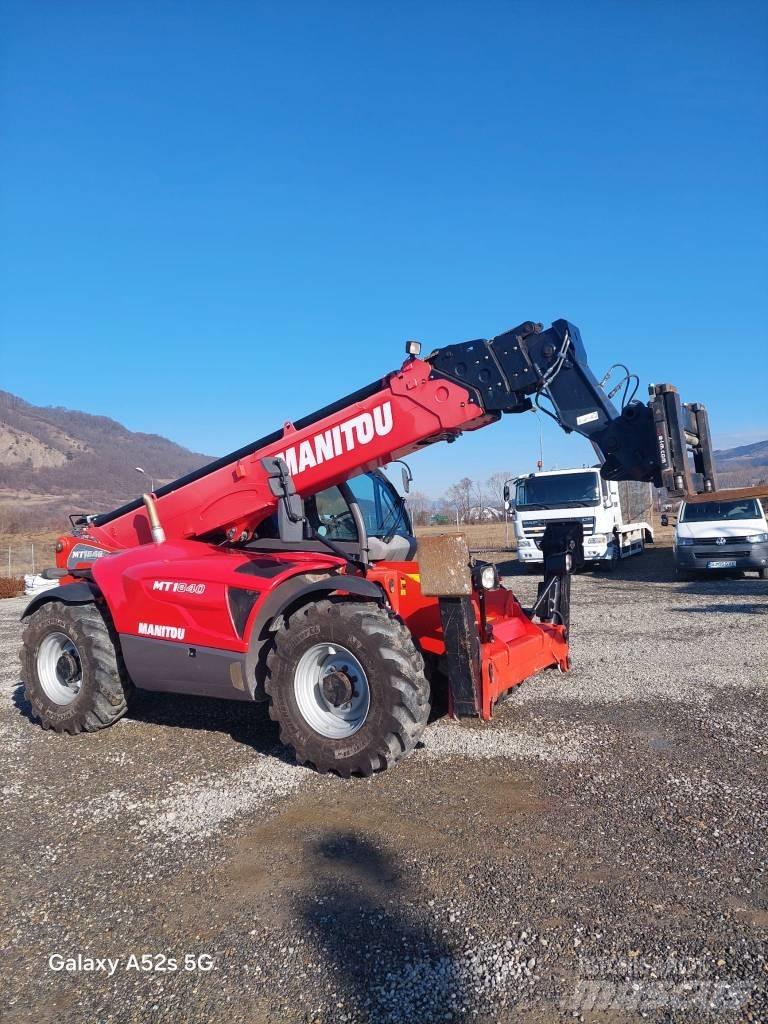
(11, 587)
(479, 535)
(43, 539)
(22, 552)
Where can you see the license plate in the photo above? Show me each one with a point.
(722, 565)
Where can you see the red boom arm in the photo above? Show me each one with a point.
(405, 411)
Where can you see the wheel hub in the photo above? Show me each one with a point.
(67, 668)
(338, 687)
(332, 690)
(59, 668)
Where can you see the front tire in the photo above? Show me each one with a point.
(346, 685)
(611, 564)
(75, 679)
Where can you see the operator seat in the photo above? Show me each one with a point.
(397, 549)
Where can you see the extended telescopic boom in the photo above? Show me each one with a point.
(456, 388)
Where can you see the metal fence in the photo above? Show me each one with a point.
(21, 559)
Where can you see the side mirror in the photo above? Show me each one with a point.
(506, 495)
(407, 477)
(664, 519)
(507, 505)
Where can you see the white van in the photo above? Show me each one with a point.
(722, 536)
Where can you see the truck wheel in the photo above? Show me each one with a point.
(609, 564)
(74, 675)
(347, 686)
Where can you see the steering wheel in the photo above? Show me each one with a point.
(333, 521)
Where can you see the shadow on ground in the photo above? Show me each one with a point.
(657, 565)
(734, 608)
(385, 964)
(246, 723)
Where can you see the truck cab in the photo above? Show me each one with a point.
(716, 536)
(578, 495)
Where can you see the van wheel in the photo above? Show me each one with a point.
(347, 686)
(74, 675)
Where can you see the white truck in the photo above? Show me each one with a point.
(575, 494)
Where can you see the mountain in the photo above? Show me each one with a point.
(54, 461)
(742, 466)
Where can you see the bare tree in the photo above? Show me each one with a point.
(419, 507)
(494, 486)
(460, 498)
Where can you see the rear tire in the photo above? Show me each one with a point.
(75, 679)
(365, 648)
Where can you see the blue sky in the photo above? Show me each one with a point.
(221, 215)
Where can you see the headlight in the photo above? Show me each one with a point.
(525, 542)
(757, 538)
(486, 577)
(597, 538)
(685, 542)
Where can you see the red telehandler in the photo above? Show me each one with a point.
(286, 570)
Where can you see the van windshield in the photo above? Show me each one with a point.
(710, 511)
(567, 491)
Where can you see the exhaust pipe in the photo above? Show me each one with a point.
(158, 533)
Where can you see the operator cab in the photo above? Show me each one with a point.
(334, 513)
(330, 513)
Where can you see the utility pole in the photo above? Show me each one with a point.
(151, 478)
(540, 463)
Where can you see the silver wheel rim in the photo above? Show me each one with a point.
(315, 665)
(59, 668)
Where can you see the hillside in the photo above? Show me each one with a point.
(54, 461)
(749, 461)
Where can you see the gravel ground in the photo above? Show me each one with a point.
(595, 853)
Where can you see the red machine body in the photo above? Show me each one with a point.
(180, 594)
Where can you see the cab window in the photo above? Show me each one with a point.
(380, 506)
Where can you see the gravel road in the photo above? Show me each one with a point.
(596, 853)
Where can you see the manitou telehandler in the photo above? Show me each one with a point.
(286, 571)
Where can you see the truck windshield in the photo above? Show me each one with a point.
(567, 491)
(710, 511)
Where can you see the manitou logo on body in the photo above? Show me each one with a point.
(161, 632)
(169, 587)
(353, 433)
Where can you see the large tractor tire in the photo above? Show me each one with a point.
(347, 686)
(74, 675)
